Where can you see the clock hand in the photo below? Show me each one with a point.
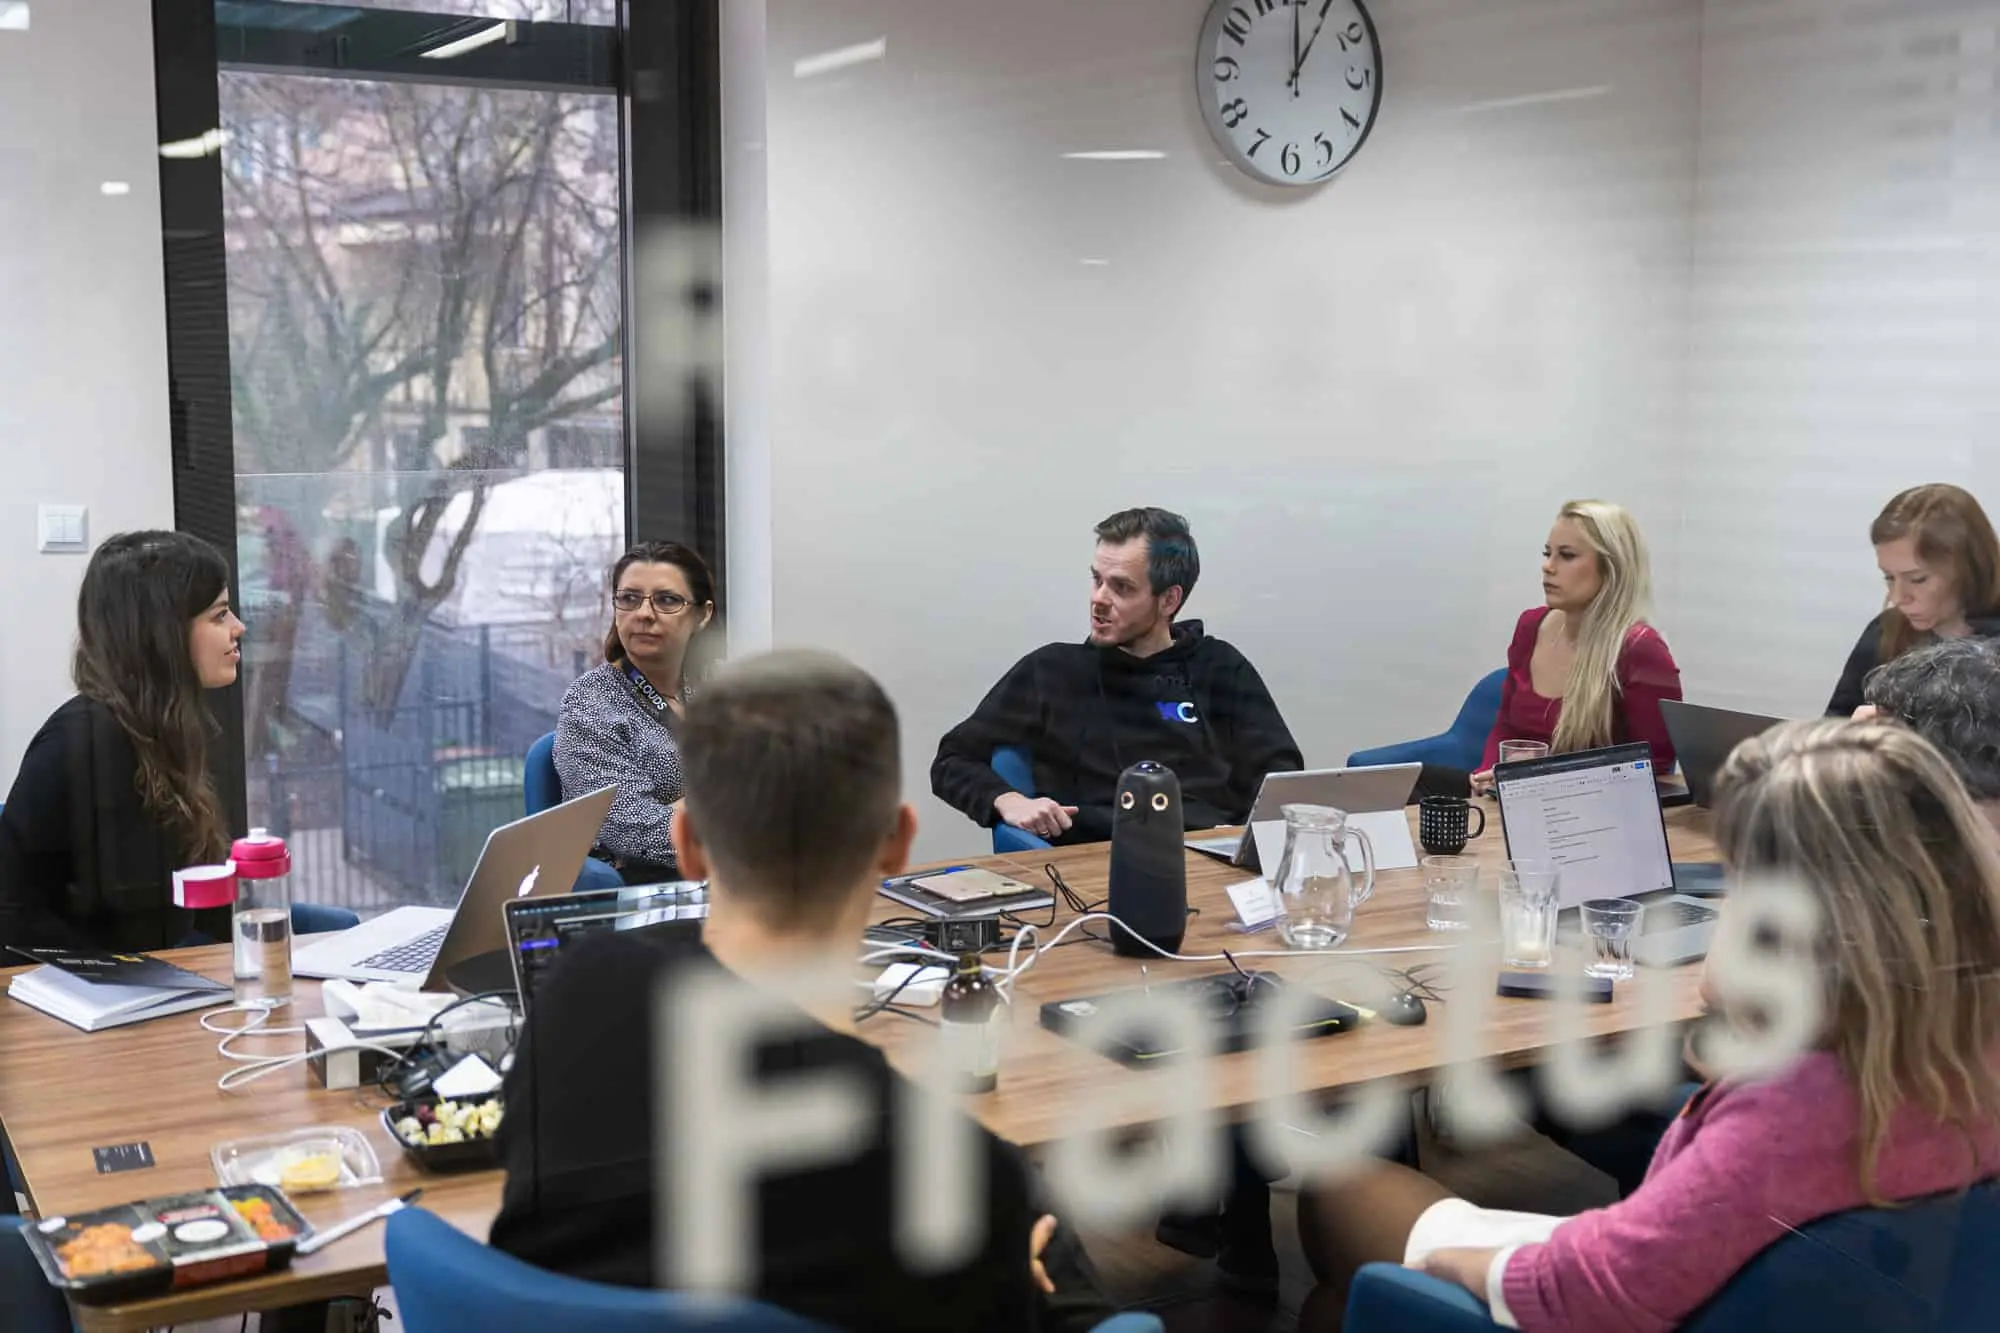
(1300, 63)
(1294, 80)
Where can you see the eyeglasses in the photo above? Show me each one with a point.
(664, 602)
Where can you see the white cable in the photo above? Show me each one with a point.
(250, 1073)
(254, 1026)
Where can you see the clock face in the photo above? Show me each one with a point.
(1289, 88)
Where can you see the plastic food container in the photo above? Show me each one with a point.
(469, 1153)
(139, 1250)
(299, 1161)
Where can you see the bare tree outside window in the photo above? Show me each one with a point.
(423, 282)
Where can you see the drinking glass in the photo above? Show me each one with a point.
(1514, 752)
(1527, 913)
(1450, 884)
(1611, 924)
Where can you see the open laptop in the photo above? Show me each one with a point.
(1596, 815)
(540, 930)
(413, 946)
(1374, 800)
(1704, 737)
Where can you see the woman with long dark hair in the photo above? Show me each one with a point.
(617, 722)
(114, 793)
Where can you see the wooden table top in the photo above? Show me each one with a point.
(64, 1092)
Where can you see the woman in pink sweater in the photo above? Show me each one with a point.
(1585, 669)
(1898, 1098)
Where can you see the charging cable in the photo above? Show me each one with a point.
(256, 1023)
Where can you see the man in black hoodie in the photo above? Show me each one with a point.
(1141, 687)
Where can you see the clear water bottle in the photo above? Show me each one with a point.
(263, 920)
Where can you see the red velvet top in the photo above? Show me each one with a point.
(1646, 675)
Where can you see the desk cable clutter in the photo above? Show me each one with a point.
(371, 1034)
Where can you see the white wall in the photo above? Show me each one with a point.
(83, 356)
(1369, 399)
(1846, 324)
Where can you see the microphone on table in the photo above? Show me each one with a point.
(1148, 892)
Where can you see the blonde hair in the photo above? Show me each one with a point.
(1906, 870)
(1590, 701)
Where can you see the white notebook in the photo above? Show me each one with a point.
(96, 1005)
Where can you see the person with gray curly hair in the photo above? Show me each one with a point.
(1949, 693)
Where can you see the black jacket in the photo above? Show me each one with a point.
(577, 1142)
(1867, 655)
(1087, 714)
(83, 863)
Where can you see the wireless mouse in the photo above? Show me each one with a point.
(1405, 1011)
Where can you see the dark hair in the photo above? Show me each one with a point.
(1952, 531)
(1949, 692)
(140, 592)
(1172, 558)
(686, 559)
(794, 777)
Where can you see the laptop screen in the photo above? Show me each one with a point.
(1595, 814)
(540, 929)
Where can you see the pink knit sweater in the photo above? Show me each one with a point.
(1741, 1167)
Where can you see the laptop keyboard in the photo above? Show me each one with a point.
(412, 955)
(1673, 915)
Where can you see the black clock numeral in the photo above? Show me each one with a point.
(1289, 159)
(1348, 116)
(1237, 25)
(1367, 77)
(1265, 6)
(1226, 69)
(1263, 137)
(1325, 149)
(1235, 113)
(1353, 35)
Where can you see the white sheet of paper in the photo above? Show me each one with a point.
(1388, 837)
(1256, 904)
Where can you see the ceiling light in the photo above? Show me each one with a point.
(13, 15)
(499, 32)
(1117, 155)
(115, 188)
(1538, 99)
(202, 145)
(826, 62)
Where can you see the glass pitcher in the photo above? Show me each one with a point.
(1314, 884)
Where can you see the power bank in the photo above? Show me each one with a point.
(1545, 986)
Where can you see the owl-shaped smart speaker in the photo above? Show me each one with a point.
(1148, 893)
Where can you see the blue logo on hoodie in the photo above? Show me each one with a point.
(1170, 712)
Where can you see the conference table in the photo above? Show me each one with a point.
(64, 1092)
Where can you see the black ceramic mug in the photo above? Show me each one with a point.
(1444, 824)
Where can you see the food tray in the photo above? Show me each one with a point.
(139, 1250)
(286, 1161)
(465, 1155)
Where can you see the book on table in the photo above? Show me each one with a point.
(95, 989)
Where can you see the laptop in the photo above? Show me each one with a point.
(1374, 800)
(540, 930)
(413, 946)
(1596, 815)
(1705, 737)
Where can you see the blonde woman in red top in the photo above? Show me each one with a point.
(1585, 669)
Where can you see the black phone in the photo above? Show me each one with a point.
(1544, 986)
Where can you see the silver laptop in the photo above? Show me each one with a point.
(1703, 739)
(412, 946)
(1596, 815)
(1373, 799)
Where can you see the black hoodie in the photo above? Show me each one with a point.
(1087, 714)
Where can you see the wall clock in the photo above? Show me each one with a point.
(1289, 88)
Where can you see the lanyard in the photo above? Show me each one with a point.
(655, 702)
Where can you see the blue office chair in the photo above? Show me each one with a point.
(1926, 1267)
(447, 1282)
(1014, 764)
(542, 786)
(28, 1304)
(1461, 747)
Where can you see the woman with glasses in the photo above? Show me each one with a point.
(618, 720)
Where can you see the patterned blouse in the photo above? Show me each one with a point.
(605, 736)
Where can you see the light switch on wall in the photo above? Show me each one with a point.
(64, 528)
